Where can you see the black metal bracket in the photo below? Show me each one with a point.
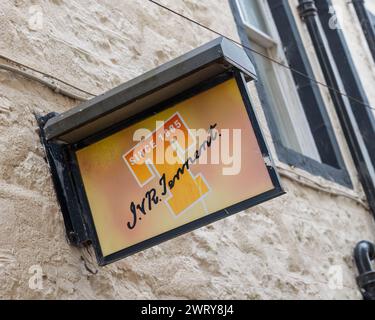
(307, 8)
(364, 254)
(59, 160)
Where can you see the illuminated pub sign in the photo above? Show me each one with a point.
(166, 153)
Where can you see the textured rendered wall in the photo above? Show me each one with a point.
(288, 248)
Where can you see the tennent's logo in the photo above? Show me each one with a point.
(164, 154)
(169, 153)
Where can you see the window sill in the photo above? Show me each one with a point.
(295, 159)
(320, 183)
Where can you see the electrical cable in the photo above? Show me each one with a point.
(284, 172)
(50, 85)
(262, 55)
(73, 96)
(46, 75)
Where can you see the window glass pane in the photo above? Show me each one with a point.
(284, 123)
(252, 14)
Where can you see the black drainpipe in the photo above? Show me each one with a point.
(349, 75)
(361, 158)
(366, 23)
(364, 254)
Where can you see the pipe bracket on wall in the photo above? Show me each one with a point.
(56, 156)
(364, 254)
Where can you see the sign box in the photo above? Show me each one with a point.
(169, 152)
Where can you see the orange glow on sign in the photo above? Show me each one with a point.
(135, 192)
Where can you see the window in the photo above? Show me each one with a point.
(293, 105)
(290, 118)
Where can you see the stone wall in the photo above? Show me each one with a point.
(288, 248)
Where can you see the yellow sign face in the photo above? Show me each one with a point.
(183, 164)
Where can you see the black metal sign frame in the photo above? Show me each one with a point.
(70, 189)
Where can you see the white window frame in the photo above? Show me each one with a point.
(287, 92)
